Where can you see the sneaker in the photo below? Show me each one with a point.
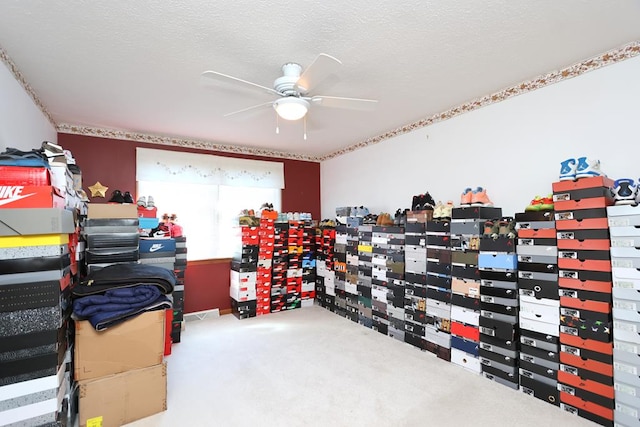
(447, 210)
(427, 202)
(416, 203)
(568, 170)
(535, 205)
(386, 220)
(396, 217)
(490, 227)
(150, 202)
(625, 191)
(116, 197)
(465, 198)
(127, 197)
(479, 198)
(506, 227)
(547, 203)
(588, 168)
(438, 210)
(142, 202)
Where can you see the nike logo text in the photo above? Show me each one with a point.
(156, 247)
(11, 194)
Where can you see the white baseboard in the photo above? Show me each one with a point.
(201, 315)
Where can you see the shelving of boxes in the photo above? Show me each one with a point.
(467, 224)
(365, 278)
(266, 233)
(624, 226)
(351, 274)
(438, 336)
(340, 268)
(586, 372)
(387, 267)
(497, 262)
(279, 266)
(244, 266)
(325, 275)
(539, 305)
(415, 284)
(309, 252)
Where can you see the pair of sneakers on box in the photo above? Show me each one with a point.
(443, 211)
(477, 197)
(582, 167)
(625, 191)
(505, 227)
(146, 202)
(423, 202)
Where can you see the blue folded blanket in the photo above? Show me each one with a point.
(117, 305)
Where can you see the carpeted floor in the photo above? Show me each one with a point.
(310, 367)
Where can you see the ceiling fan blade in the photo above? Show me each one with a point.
(349, 103)
(214, 75)
(253, 107)
(322, 67)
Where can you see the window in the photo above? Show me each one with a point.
(207, 193)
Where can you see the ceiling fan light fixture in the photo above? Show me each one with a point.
(291, 107)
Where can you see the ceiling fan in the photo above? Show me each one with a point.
(293, 87)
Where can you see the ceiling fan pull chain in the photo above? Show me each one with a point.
(277, 124)
(305, 127)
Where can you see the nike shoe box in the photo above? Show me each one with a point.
(466, 360)
(443, 353)
(547, 392)
(497, 261)
(415, 340)
(118, 240)
(20, 197)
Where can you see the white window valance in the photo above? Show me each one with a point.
(176, 166)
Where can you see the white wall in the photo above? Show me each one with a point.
(513, 148)
(22, 124)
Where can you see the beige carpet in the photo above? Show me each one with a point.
(310, 367)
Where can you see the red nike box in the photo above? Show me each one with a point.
(21, 196)
(20, 175)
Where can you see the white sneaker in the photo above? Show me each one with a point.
(150, 202)
(588, 168)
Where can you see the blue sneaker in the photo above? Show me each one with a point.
(568, 170)
(625, 191)
(588, 168)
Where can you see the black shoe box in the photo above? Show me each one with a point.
(341, 311)
(465, 301)
(587, 396)
(245, 259)
(243, 267)
(583, 193)
(498, 329)
(539, 289)
(439, 255)
(505, 363)
(415, 340)
(440, 281)
(411, 289)
(439, 240)
(380, 327)
(415, 278)
(489, 277)
(534, 216)
(367, 322)
(586, 324)
(414, 328)
(414, 228)
(438, 227)
(492, 343)
(442, 295)
(387, 229)
(506, 310)
(537, 242)
(540, 390)
(539, 340)
(110, 255)
(511, 377)
(501, 244)
(328, 301)
(499, 292)
(441, 352)
(415, 316)
(111, 240)
(417, 240)
(465, 272)
(353, 316)
(439, 268)
(364, 291)
(476, 212)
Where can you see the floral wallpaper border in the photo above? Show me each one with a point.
(628, 51)
(180, 142)
(4, 57)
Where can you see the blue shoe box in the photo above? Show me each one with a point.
(157, 245)
(149, 223)
(497, 261)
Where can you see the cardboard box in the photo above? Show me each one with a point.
(20, 196)
(112, 210)
(133, 344)
(119, 399)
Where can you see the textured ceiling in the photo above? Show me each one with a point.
(135, 66)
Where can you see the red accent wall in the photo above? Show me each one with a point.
(113, 163)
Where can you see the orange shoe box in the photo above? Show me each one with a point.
(582, 183)
(21, 196)
(591, 365)
(586, 300)
(589, 203)
(542, 233)
(585, 285)
(584, 264)
(585, 405)
(24, 175)
(582, 224)
(587, 344)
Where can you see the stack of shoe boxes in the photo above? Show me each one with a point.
(35, 308)
(365, 278)
(467, 224)
(351, 276)
(279, 266)
(325, 275)
(414, 289)
(160, 252)
(294, 268)
(340, 267)
(387, 267)
(180, 268)
(624, 223)
(539, 305)
(438, 236)
(266, 233)
(308, 265)
(499, 335)
(111, 235)
(244, 266)
(586, 355)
